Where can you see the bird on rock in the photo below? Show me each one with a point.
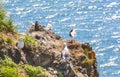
(20, 43)
(49, 26)
(65, 54)
(72, 33)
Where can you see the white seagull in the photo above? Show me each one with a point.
(72, 33)
(20, 43)
(65, 54)
(49, 26)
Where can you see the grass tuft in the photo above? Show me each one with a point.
(34, 71)
(10, 69)
(88, 61)
(28, 40)
(9, 40)
(59, 74)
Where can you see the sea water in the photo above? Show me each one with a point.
(96, 22)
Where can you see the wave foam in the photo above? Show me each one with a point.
(108, 64)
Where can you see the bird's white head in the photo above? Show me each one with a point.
(21, 39)
(65, 45)
(74, 30)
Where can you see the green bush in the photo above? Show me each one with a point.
(28, 40)
(6, 23)
(88, 61)
(8, 68)
(86, 52)
(34, 71)
(7, 62)
(1, 35)
(6, 71)
(9, 40)
(2, 12)
(59, 74)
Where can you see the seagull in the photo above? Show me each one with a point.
(49, 26)
(72, 33)
(65, 53)
(20, 43)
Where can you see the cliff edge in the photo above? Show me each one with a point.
(47, 53)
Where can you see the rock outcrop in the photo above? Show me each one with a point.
(82, 61)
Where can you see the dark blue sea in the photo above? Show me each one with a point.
(96, 22)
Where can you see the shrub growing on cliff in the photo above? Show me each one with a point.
(86, 52)
(88, 61)
(9, 40)
(35, 71)
(6, 71)
(6, 23)
(28, 40)
(2, 12)
(7, 62)
(59, 74)
(8, 68)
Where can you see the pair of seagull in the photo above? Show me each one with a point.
(65, 54)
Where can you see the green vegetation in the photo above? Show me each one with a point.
(88, 61)
(7, 71)
(1, 35)
(7, 62)
(86, 52)
(9, 40)
(59, 74)
(6, 23)
(28, 40)
(2, 12)
(34, 71)
(10, 69)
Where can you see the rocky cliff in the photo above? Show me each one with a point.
(47, 53)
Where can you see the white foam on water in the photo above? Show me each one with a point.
(112, 58)
(116, 72)
(113, 17)
(115, 36)
(36, 5)
(93, 0)
(92, 7)
(111, 63)
(100, 54)
(51, 16)
(116, 16)
(116, 49)
(65, 19)
(19, 9)
(115, 33)
(79, 18)
(113, 4)
(18, 13)
(106, 48)
(72, 25)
